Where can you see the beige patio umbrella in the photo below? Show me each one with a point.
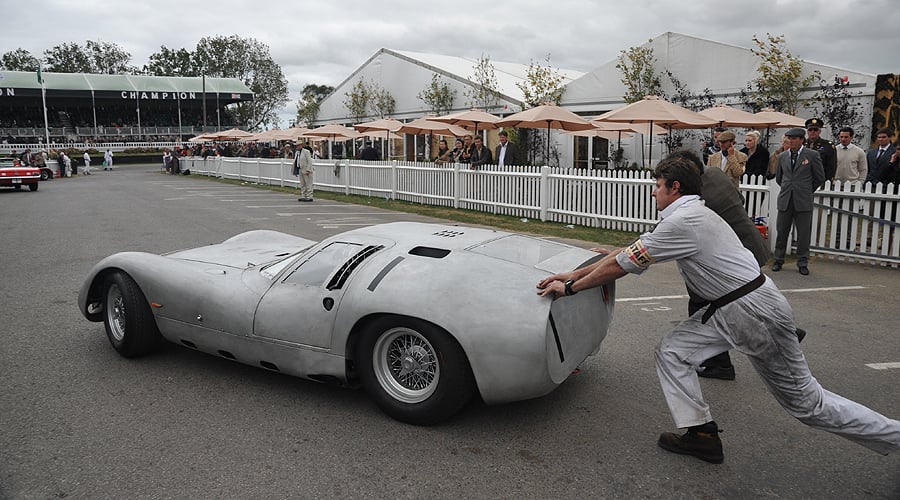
(377, 128)
(653, 110)
(471, 118)
(202, 138)
(291, 134)
(640, 128)
(547, 116)
(733, 117)
(232, 134)
(331, 132)
(782, 120)
(265, 136)
(427, 126)
(374, 134)
(613, 130)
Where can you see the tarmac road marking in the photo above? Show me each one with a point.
(883, 366)
(794, 290)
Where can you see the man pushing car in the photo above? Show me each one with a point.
(746, 312)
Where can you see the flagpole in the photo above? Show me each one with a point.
(44, 101)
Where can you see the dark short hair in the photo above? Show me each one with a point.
(846, 129)
(503, 133)
(679, 168)
(886, 131)
(478, 138)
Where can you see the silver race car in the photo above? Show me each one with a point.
(422, 316)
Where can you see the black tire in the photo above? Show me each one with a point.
(45, 175)
(17, 187)
(416, 372)
(33, 187)
(130, 326)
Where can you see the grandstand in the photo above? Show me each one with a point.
(113, 108)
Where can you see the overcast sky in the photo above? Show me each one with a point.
(323, 42)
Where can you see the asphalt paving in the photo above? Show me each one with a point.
(79, 421)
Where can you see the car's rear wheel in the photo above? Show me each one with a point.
(45, 175)
(416, 372)
(17, 187)
(129, 323)
(33, 187)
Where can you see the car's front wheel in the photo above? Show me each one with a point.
(45, 175)
(129, 323)
(33, 187)
(416, 372)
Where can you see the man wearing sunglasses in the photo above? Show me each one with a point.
(825, 148)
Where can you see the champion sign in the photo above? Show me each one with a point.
(161, 96)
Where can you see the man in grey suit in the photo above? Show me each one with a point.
(799, 174)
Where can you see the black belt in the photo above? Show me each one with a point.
(729, 297)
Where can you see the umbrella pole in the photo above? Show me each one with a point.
(618, 148)
(547, 158)
(650, 142)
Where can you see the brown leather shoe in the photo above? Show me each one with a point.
(701, 441)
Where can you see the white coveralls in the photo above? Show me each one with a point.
(760, 325)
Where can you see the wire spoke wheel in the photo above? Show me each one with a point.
(115, 312)
(406, 365)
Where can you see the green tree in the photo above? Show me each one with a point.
(686, 98)
(357, 100)
(484, 92)
(438, 96)
(542, 84)
(310, 99)
(781, 79)
(93, 57)
(68, 58)
(639, 75)
(19, 60)
(171, 62)
(839, 108)
(382, 103)
(108, 58)
(249, 61)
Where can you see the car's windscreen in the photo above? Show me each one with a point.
(520, 249)
(319, 267)
(272, 270)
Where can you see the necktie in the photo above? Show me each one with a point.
(880, 152)
(793, 158)
(845, 147)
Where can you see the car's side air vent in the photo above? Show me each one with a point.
(346, 270)
(448, 233)
(435, 253)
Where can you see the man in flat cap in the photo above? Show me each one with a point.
(727, 159)
(799, 174)
(825, 148)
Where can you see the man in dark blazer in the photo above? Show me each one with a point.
(882, 160)
(506, 152)
(799, 174)
(481, 155)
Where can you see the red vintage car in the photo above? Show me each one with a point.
(12, 174)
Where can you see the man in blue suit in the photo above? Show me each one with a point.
(799, 174)
(883, 159)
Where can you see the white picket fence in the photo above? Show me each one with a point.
(852, 222)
